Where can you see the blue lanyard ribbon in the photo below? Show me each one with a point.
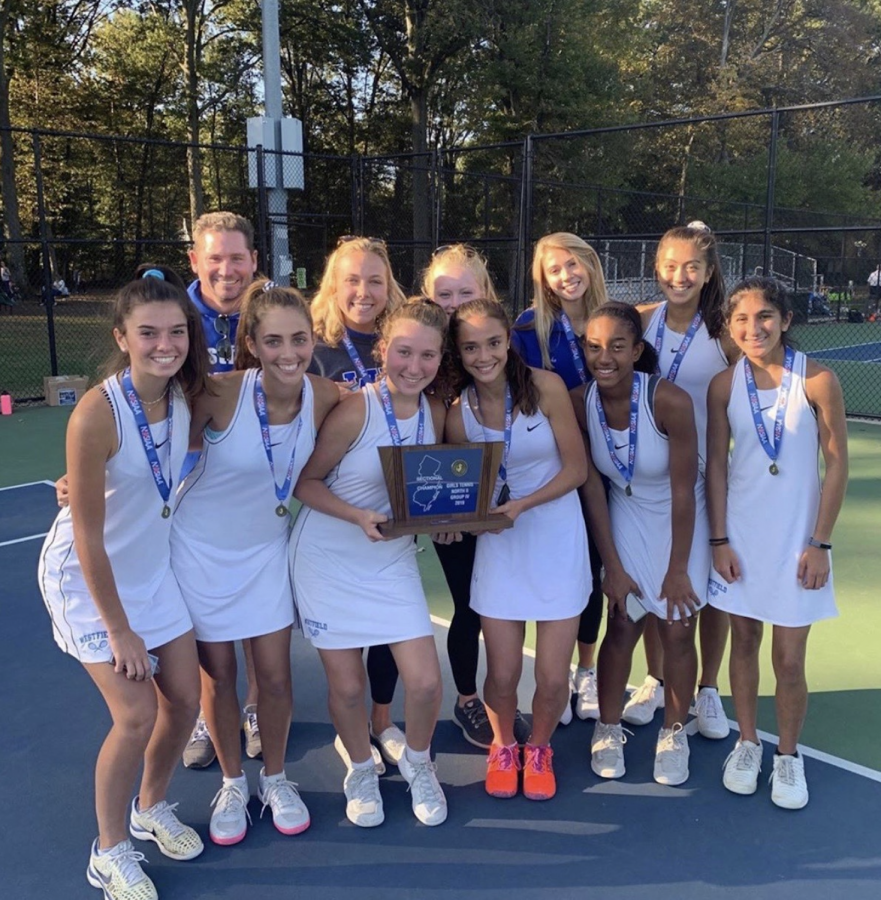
(356, 359)
(504, 491)
(773, 451)
(625, 472)
(283, 492)
(577, 358)
(392, 422)
(683, 347)
(134, 402)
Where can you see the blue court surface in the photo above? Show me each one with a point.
(627, 839)
(869, 353)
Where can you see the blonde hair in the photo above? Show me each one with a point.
(261, 296)
(545, 302)
(326, 316)
(465, 257)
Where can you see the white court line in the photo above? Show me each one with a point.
(15, 487)
(30, 537)
(691, 728)
(843, 347)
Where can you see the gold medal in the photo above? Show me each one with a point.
(166, 511)
(281, 510)
(773, 469)
(628, 490)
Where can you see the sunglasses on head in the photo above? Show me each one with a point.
(348, 238)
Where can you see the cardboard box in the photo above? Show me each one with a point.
(64, 390)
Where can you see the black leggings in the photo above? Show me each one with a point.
(463, 637)
(592, 617)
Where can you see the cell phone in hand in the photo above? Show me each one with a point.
(154, 663)
(634, 608)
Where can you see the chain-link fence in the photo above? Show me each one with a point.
(791, 192)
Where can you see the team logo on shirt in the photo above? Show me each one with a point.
(95, 641)
(369, 376)
(714, 588)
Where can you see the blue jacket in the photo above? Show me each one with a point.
(213, 337)
(525, 341)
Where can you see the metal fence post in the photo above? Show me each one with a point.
(525, 230)
(262, 214)
(48, 299)
(769, 197)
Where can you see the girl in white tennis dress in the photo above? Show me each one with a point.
(106, 577)
(688, 334)
(356, 589)
(538, 569)
(230, 541)
(771, 519)
(642, 438)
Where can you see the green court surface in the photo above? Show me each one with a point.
(844, 662)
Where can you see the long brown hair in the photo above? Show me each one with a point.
(523, 389)
(261, 296)
(192, 377)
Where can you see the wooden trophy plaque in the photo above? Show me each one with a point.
(437, 488)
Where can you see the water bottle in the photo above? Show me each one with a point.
(5, 404)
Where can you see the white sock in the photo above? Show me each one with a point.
(271, 779)
(418, 756)
(241, 782)
(367, 764)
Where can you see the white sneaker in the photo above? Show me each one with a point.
(289, 813)
(118, 873)
(566, 715)
(230, 818)
(587, 705)
(392, 743)
(340, 748)
(426, 794)
(607, 750)
(648, 697)
(671, 756)
(160, 825)
(711, 719)
(740, 772)
(789, 789)
(363, 800)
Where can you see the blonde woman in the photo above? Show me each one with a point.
(568, 285)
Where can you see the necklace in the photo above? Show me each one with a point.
(149, 404)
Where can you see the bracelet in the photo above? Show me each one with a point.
(820, 545)
(718, 542)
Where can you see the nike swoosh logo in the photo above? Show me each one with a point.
(533, 427)
(622, 446)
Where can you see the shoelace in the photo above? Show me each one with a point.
(506, 758)
(476, 714)
(162, 814)
(128, 863)
(744, 758)
(425, 782)
(200, 732)
(284, 793)
(253, 727)
(785, 770)
(540, 758)
(706, 707)
(610, 737)
(227, 798)
(643, 692)
(672, 740)
(363, 785)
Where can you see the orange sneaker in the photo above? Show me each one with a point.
(538, 773)
(502, 767)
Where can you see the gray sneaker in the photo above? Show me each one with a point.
(472, 719)
(253, 744)
(199, 752)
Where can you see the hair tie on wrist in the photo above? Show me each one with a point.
(820, 545)
(718, 542)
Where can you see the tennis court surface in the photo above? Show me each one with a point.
(630, 838)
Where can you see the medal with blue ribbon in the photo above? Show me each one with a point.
(134, 402)
(683, 347)
(772, 450)
(281, 492)
(625, 472)
(577, 358)
(392, 422)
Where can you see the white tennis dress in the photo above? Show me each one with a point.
(350, 591)
(642, 524)
(538, 570)
(771, 517)
(229, 547)
(703, 359)
(136, 538)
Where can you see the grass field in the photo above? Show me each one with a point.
(844, 665)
